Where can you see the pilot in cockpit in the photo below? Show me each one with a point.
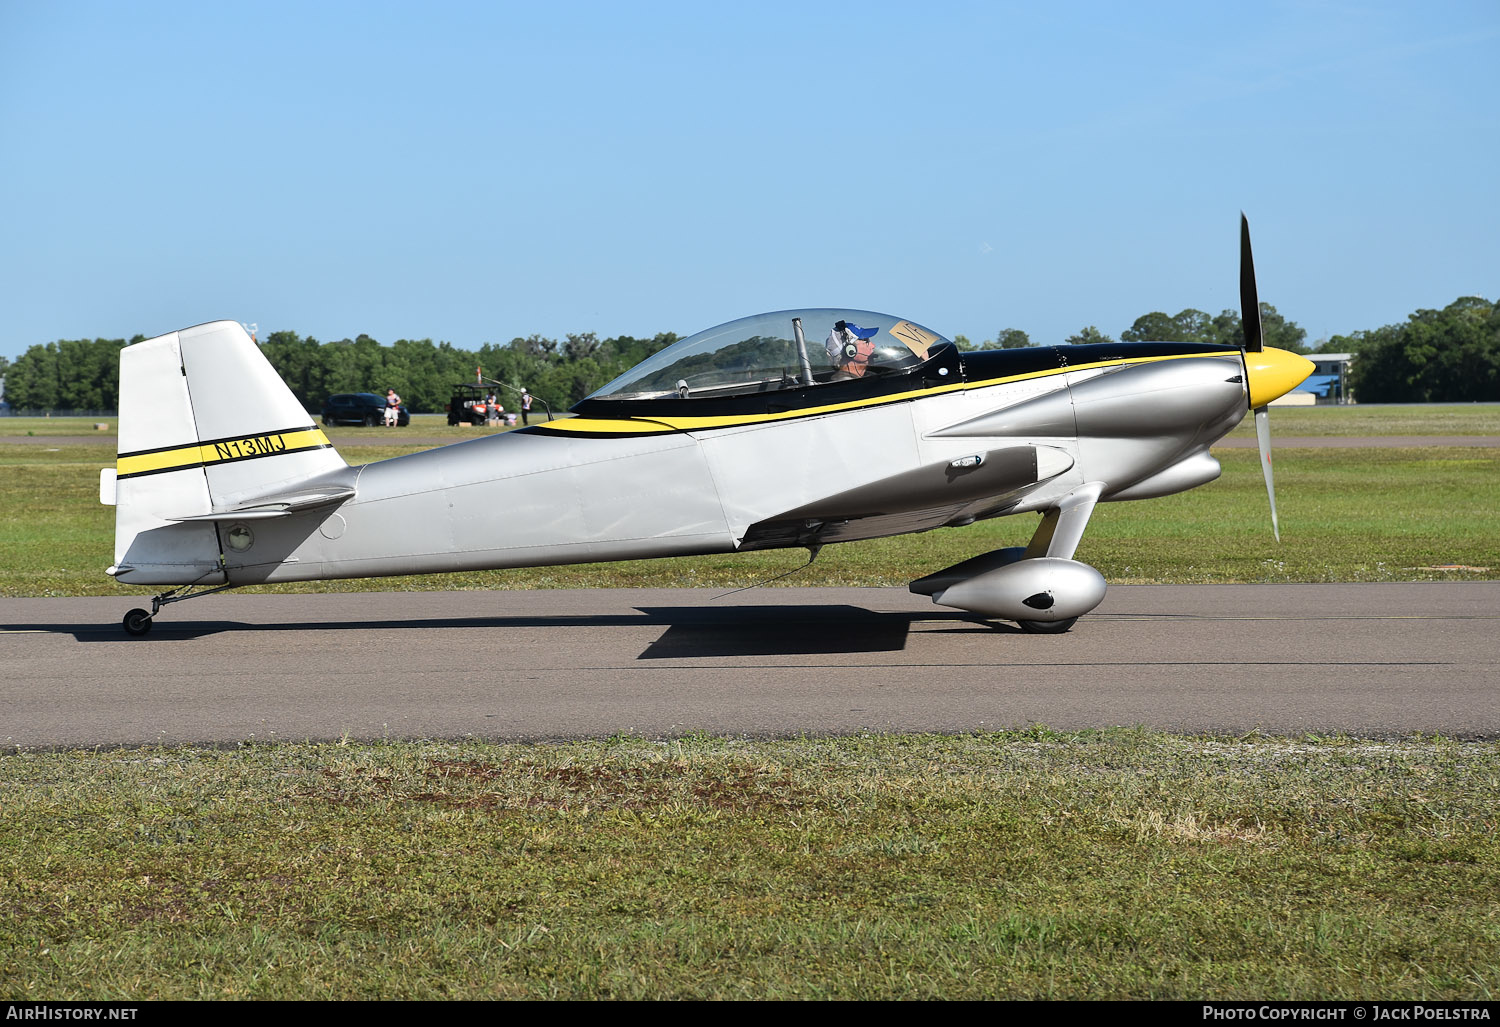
(849, 350)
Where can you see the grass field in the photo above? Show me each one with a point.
(1354, 421)
(1118, 864)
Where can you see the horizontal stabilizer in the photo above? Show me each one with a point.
(279, 506)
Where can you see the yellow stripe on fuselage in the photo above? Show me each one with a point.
(656, 424)
(220, 451)
(609, 426)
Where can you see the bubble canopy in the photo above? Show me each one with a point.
(786, 349)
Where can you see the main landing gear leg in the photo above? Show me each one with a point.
(138, 621)
(1058, 535)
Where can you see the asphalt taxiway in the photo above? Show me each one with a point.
(1374, 660)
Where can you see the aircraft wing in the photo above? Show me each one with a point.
(955, 492)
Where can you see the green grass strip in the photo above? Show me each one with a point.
(1118, 864)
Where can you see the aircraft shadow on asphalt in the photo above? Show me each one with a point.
(786, 631)
(691, 631)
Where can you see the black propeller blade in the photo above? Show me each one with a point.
(1255, 343)
(1255, 340)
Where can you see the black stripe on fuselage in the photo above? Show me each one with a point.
(976, 369)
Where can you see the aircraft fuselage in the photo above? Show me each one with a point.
(1137, 419)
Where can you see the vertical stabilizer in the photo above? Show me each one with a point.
(206, 425)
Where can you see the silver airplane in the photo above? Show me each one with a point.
(793, 429)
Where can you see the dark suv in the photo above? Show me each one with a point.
(360, 408)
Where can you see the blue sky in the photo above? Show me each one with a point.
(473, 172)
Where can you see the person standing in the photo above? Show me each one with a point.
(392, 408)
(525, 406)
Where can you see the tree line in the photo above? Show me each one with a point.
(559, 373)
(1435, 356)
(1448, 355)
(1190, 325)
(84, 374)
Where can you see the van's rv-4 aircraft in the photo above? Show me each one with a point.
(794, 429)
